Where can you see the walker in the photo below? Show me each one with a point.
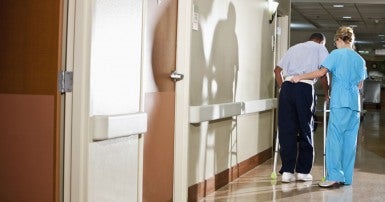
(276, 147)
(325, 110)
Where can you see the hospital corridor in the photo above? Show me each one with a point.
(176, 100)
(368, 181)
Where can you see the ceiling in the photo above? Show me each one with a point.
(366, 17)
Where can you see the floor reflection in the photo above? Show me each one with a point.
(369, 176)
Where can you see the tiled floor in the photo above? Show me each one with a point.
(369, 176)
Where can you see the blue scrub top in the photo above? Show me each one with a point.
(348, 68)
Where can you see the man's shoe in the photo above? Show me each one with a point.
(304, 177)
(288, 177)
(328, 184)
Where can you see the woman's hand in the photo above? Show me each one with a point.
(327, 99)
(295, 79)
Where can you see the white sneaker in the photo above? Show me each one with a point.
(304, 177)
(327, 184)
(288, 177)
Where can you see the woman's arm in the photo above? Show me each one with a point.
(325, 84)
(316, 74)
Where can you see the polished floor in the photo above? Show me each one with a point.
(369, 176)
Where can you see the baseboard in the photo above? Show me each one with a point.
(202, 189)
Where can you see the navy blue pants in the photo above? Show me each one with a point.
(296, 109)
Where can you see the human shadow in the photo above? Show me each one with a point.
(215, 82)
(224, 65)
(199, 82)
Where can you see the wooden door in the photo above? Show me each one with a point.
(158, 162)
(30, 58)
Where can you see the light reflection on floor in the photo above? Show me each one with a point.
(369, 176)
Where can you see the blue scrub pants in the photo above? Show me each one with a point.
(295, 125)
(341, 143)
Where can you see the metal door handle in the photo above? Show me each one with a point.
(176, 76)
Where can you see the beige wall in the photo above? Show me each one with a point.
(231, 61)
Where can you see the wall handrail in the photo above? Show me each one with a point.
(114, 126)
(213, 112)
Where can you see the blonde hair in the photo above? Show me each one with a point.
(344, 33)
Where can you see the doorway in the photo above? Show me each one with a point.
(160, 61)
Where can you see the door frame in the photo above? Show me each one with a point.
(66, 123)
(76, 139)
(182, 91)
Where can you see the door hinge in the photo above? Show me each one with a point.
(65, 81)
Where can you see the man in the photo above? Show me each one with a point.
(297, 107)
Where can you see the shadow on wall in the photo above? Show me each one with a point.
(213, 81)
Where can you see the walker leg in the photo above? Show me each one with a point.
(276, 148)
(324, 141)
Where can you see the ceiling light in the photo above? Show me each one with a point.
(363, 42)
(346, 17)
(353, 26)
(379, 52)
(364, 52)
(301, 26)
(381, 35)
(338, 6)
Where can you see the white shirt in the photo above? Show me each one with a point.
(303, 58)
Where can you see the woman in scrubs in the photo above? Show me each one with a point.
(348, 70)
